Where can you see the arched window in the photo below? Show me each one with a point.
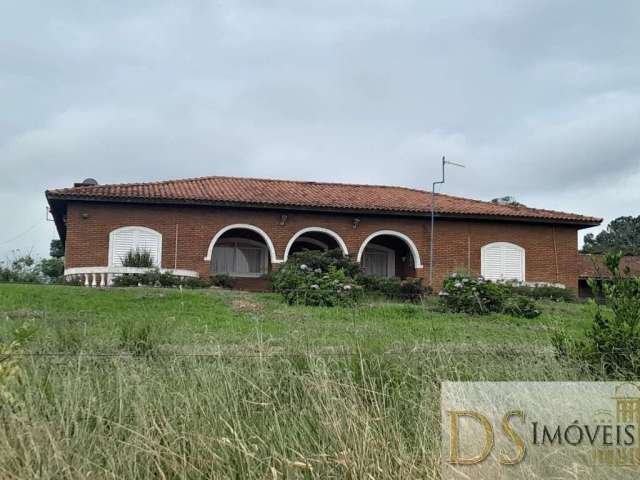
(503, 261)
(239, 257)
(125, 239)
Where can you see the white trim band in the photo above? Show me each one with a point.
(128, 270)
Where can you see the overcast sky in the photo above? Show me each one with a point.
(540, 99)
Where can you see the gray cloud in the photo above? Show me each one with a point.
(540, 99)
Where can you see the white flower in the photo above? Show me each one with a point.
(457, 285)
(347, 287)
(315, 286)
(303, 267)
(318, 270)
(443, 294)
(454, 275)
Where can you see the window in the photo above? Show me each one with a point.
(378, 261)
(240, 258)
(503, 261)
(125, 239)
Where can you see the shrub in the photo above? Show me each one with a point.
(152, 278)
(155, 278)
(22, 269)
(477, 296)
(464, 294)
(138, 258)
(52, 268)
(612, 344)
(410, 289)
(520, 306)
(222, 280)
(322, 260)
(324, 289)
(26, 269)
(327, 280)
(547, 292)
(330, 278)
(129, 280)
(614, 337)
(69, 282)
(192, 282)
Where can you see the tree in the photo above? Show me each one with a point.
(56, 249)
(622, 234)
(22, 269)
(52, 268)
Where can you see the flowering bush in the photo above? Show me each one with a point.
(318, 279)
(477, 296)
(542, 290)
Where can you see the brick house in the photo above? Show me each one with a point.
(247, 227)
(592, 267)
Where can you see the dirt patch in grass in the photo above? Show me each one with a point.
(244, 305)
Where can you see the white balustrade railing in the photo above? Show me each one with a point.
(103, 276)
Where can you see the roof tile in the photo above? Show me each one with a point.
(290, 193)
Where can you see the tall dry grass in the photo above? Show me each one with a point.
(346, 417)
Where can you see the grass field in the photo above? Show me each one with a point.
(238, 385)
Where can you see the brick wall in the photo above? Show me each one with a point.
(551, 251)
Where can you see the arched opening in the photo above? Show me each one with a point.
(241, 251)
(315, 238)
(389, 254)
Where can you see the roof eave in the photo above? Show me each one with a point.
(57, 208)
(580, 223)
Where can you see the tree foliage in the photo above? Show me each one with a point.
(621, 235)
(56, 249)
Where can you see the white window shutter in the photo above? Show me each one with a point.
(492, 263)
(149, 240)
(512, 263)
(125, 239)
(503, 261)
(121, 243)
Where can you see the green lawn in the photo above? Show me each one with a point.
(213, 321)
(281, 392)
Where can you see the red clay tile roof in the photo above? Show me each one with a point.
(592, 266)
(289, 193)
